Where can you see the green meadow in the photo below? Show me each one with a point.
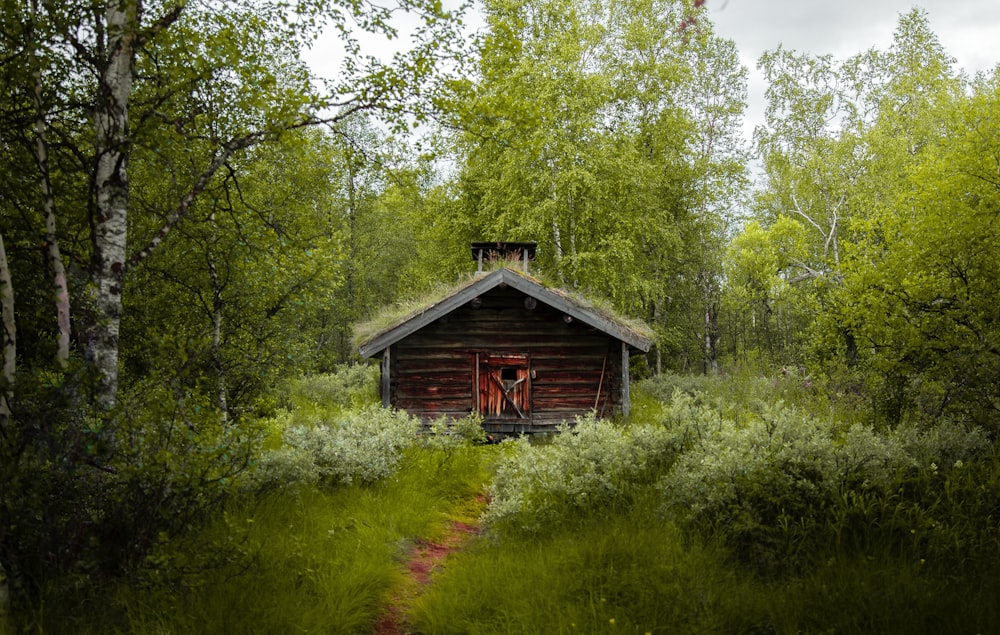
(739, 505)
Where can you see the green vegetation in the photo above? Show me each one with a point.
(313, 541)
(705, 514)
(696, 523)
(191, 225)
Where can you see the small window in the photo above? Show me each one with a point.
(508, 374)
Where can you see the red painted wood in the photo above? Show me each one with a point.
(559, 365)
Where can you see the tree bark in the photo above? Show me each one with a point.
(111, 189)
(711, 336)
(51, 242)
(8, 339)
(8, 344)
(222, 401)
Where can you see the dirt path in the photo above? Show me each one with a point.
(425, 557)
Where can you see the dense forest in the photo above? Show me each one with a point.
(192, 225)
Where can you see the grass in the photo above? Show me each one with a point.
(303, 560)
(629, 574)
(639, 573)
(325, 559)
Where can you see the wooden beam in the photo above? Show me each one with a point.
(386, 368)
(626, 394)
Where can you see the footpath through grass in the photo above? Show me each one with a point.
(307, 559)
(753, 507)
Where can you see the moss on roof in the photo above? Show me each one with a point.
(392, 316)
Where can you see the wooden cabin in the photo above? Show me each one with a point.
(525, 356)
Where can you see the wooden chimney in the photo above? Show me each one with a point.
(503, 251)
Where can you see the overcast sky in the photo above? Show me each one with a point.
(968, 30)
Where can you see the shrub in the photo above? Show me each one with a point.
(447, 433)
(590, 469)
(364, 446)
(784, 486)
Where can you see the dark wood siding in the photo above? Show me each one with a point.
(433, 370)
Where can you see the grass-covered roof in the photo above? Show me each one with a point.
(396, 321)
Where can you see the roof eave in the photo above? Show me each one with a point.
(590, 318)
(390, 336)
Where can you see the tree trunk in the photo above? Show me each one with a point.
(852, 348)
(8, 344)
(41, 150)
(711, 337)
(222, 401)
(111, 190)
(8, 340)
(51, 242)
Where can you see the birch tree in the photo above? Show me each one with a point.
(595, 129)
(180, 93)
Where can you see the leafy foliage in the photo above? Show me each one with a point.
(603, 132)
(782, 485)
(874, 236)
(365, 446)
(593, 468)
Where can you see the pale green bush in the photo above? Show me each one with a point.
(870, 459)
(447, 433)
(362, 446)
(713, 474)
(781, 484)
(589, 469)
(943, 444)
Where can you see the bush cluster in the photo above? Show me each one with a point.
(593, 468)
(447, 434)
(777, 486)
(784, 486)
(362, 446)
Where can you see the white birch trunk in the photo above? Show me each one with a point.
(112, 196)
(222, 400)
(8, 340)
(51, 242)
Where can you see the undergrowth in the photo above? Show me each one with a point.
(756, 507)
(308, 559)
(703, 514)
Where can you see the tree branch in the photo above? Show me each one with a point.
(228, 150)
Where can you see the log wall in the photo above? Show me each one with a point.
(433, 370)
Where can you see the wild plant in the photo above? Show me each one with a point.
(782, 486)
(447, 433)
(592, 468)
(362, 446)
(348, 387)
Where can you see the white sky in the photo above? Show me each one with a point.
(968, 30)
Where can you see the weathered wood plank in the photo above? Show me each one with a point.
(416, 391)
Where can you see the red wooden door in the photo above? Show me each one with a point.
(504, 386)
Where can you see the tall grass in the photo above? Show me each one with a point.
(630, 573)
(637, 574)
(309, 559)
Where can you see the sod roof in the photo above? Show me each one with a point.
(634, 334)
